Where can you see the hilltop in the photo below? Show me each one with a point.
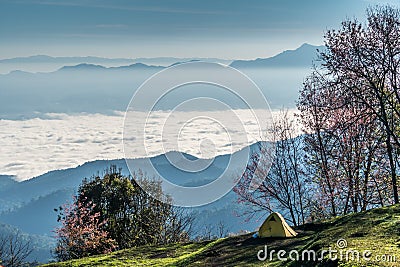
(376, 230)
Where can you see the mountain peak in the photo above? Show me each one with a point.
(302, 56)
(82, 66)
(305, 45)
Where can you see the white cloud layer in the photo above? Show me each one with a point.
(32, 147)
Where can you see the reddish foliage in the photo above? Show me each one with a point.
(82, 232)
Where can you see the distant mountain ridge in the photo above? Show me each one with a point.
(94, 88)
(52, 181)
(93, 67)
(168, 61)
(155, 61)
(77, 60)
(7, 181)
(28, 206)
(302, 56)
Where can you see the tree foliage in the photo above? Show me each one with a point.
(350, 110)
(81, 233)
(349, 107)
(123, 215)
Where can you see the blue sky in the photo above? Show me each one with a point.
(179, 28)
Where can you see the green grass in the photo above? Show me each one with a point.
(376, 230)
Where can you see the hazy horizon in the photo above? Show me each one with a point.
(135, 29)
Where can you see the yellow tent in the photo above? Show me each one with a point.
(276, 226)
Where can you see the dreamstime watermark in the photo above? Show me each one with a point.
(340, 252)
(195, 86)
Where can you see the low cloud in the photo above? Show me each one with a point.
(32, 147)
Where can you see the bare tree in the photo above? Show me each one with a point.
(364, 59)
(180, 226)
(345, 157)
(14, 250)
(314, 102)
(221, 229)
(206, 234)
(283, 186)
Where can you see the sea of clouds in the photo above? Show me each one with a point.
(32, 147)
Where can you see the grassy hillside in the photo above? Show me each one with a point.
(376, 230)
